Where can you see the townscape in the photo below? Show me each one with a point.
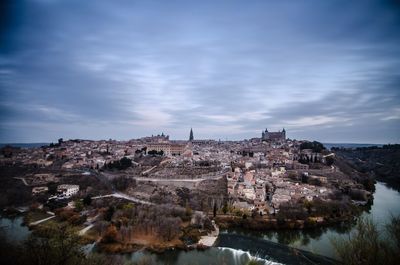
(199, 132)
(181, 192)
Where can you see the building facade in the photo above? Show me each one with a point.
(165, 147)
(273, 136)
(67, 190)
(173, 148)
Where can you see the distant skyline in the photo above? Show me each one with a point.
(323, 70)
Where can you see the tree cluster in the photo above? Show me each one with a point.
(369, 245)
(315, 146)
(163, 221)
(315, 208)
(121, 183)
(70, 216)
(156, 153)
(50, 245)
(121, 164)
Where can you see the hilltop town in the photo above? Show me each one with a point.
(188, 189)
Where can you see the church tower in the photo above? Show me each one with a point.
(191, 135)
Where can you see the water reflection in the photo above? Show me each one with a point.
(13, 229)
(296, 237)
(212, 256)
(288, 238)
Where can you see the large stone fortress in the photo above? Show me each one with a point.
(273, 136)
(163, 143)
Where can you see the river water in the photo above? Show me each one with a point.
(270, 247)
(13, 229)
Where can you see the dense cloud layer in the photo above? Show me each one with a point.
(326, 70)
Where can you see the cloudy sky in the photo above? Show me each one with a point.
(324, 70)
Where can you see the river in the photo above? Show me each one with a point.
(13, 229)
(270, 247)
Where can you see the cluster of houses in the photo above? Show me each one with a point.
(261, 170)
(259, 167)
(94, 154)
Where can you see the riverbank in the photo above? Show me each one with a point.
(265, 223)
(209, 239)
(155, 245)
(381, 161)
(190, 238)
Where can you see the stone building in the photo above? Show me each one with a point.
(165, 147)
(273, 136)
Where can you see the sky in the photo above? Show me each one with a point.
(323, 70)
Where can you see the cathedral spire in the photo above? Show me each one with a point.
(191, 135)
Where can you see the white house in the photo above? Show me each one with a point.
(67, 190)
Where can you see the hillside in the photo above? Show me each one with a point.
(383, 162)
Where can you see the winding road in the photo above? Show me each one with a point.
(123, 196)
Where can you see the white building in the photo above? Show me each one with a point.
(249, 193)
(67, 190)
(37, 190)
